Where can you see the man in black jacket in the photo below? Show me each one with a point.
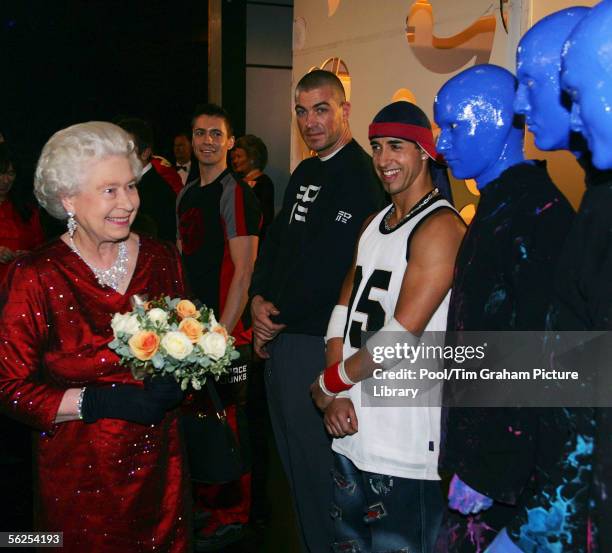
(156, 215)
(502, 283)
(587, 77)
(302, 264)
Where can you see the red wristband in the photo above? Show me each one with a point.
(332, 380)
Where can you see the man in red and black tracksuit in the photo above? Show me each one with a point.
(218, 226)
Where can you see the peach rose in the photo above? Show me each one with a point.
(186, 309)
(192, 329)
(144, 344)
(220, 329)
(217, 327)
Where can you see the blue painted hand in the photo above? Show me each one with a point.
(466, 500)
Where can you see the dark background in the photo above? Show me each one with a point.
(68, 61)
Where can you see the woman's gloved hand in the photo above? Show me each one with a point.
(146, 405)
(165, 389)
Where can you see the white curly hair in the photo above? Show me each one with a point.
(67, 154)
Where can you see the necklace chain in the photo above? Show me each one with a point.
(423, 202)
(114, 275)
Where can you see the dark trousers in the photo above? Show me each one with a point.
(303, 445)
(376, 513)
(259, 426)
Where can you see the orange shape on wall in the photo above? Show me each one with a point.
(332, 6)
(404, 94)
(339, 68)
(467, 213)
(448, 54)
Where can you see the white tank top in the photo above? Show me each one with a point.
(396, 441)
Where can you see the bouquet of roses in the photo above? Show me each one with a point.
(172, 336)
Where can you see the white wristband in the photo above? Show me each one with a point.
(343, 376)
(324, 388)
(337, 322)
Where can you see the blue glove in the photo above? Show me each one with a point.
(503, 544)
(466, 500)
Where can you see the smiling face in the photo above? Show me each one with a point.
(398, 164)
(211, 141)
(322, 118)
(107, 201)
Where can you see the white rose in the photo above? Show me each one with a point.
(125, 323)
(177, 345)
(158, 316)
(213, 345)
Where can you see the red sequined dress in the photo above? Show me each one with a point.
(112, 485)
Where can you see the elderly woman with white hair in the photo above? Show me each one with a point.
(109, 471)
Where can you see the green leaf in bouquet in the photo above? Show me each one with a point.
(124, 351)
(172, 303)
(158, 361)
(139, 372)
(114, 344)
(204, 362)
(234, 355)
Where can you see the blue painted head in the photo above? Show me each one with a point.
(538, 69)
(587, 77)
(480, 137)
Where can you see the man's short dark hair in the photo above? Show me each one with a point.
(141, 130)
(186, 134)
(319, 78)
(213, 110)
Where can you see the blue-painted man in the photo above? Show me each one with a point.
(502, 283)
(587, 77)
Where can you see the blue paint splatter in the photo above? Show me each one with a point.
(549, 528)
(496, 298)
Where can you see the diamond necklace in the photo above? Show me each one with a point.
(112, 276)
(421, 203)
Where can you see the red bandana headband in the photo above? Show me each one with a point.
(421, 135)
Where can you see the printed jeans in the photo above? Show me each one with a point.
(375, 513)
